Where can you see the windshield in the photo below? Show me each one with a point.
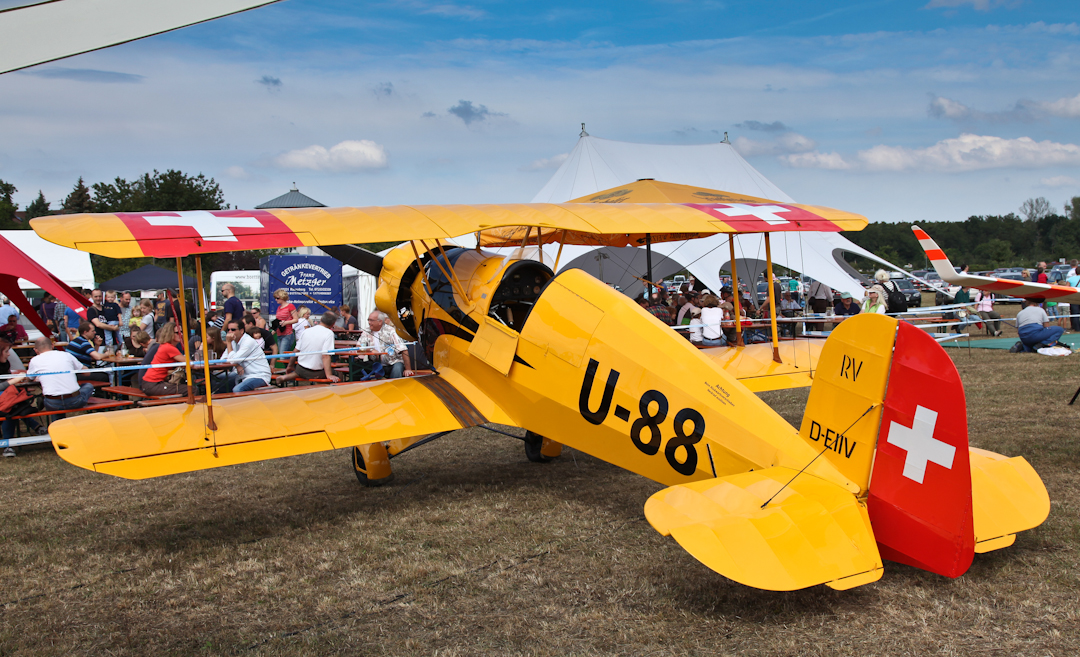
(904, 284)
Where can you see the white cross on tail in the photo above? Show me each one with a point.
(920, 444)
(209, 226)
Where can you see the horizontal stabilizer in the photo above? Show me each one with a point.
(813, 532)
(1007, 497)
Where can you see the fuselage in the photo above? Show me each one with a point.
(572, 359)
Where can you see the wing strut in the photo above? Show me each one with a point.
(205, 350)
(183, 325)
(772, 297)
(736, 294)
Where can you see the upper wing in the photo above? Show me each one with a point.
(1022, 289)
(77, 27)
(177, 234)
(151, 442)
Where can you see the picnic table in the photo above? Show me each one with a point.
(117, 378)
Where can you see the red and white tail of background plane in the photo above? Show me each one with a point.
(1022, 289)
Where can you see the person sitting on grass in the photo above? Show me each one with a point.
(313, 359)
(252, 368)
(155, 381)
(1033, 324)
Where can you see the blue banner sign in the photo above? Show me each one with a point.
(312, 281)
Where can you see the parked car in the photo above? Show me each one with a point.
(1012, 276)
(911, 293)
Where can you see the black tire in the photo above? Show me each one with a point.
(361, 471)
(533, 443)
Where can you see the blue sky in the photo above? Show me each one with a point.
(930, 110)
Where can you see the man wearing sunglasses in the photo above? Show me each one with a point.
(252, 368)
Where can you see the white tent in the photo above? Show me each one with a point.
(70, 266)
(598, 164)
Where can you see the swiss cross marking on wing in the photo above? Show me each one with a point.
(919, 443)
(209, 226)
(767, 213)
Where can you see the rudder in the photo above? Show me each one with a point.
(887, 409)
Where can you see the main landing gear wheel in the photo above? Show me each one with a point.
(534, 442)
(380, 465)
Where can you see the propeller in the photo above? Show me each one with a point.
(358, 257)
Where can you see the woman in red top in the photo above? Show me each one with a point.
(154, 380)
(286, 316)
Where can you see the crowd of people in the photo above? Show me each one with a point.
(709, 318)
(152, 331)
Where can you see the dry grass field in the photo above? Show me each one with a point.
(474, 550)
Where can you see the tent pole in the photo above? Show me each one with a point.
(772, 299)
(183, 326)
(648, 265)
(735, 293)
(210, 424)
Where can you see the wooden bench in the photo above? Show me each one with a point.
(201, 399)
(136, 393)
(128, 391)
(92, 404)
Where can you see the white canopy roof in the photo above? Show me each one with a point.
(598, 164)
(70, 266)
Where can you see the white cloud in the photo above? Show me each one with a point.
(455, 11)
(350, 155)
(1060, 181)
(553, 162)
(1025, 110)
(947, 108)
(1068, 108)
(979, 5)
(237, 173)
(970, 153)
(788, 142)
(815, 160)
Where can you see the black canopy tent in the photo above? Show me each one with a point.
(148, 277)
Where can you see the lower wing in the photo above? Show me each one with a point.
(754, 367)
(152, 442)
(1021, 289)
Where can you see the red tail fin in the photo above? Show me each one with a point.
(920, 490)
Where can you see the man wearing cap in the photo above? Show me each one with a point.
(846, 306)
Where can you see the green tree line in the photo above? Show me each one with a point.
(169, 191)
(983, 242)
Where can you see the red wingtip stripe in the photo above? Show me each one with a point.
(920, 234)
(936, 254)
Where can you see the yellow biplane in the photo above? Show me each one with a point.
(880, 467)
